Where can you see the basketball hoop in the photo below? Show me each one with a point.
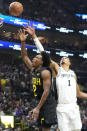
(1, 22)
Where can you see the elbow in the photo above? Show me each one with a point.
(79, 95)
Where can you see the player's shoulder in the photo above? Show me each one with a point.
(46, 74)
(71, 71)
(46, 70)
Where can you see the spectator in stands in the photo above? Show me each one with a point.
(1, 111)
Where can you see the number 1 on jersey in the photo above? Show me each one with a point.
(69, 83)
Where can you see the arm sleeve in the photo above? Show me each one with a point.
(38, 45)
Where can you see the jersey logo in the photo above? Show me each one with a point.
(36, 81)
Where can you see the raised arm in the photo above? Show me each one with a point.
(55, 68)
(31, 30)
(24, 54)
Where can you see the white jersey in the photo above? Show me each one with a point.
(66, 86)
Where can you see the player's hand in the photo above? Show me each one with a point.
(35, 113)
(42, 39)
(22, 35)
(30, 30)
(30, 116)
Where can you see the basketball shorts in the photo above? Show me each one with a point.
(47, 116)
(68, 116)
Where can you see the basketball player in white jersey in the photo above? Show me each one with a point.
(67, 90)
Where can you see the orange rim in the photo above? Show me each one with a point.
(1, 21)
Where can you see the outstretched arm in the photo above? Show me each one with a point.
(55, 68)
(80, 94)
(31, 30)
(25, 57)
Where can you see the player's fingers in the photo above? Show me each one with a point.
(20, 31)
(34, 116)
(24, 31)
(33, 26)
(26, 35)
(24, 26)
(29, 22)
(30, 112)
(27, 25)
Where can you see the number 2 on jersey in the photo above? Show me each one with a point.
(34, 88)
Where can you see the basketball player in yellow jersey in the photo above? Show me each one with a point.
(67, 90)
(44, 114)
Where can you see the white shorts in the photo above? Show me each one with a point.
(68, 116)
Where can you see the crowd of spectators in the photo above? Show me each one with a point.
(16, 97)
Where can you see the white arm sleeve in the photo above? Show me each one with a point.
(38, 45)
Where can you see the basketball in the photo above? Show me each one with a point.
(15, 8)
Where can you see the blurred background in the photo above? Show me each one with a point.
(64, 25)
